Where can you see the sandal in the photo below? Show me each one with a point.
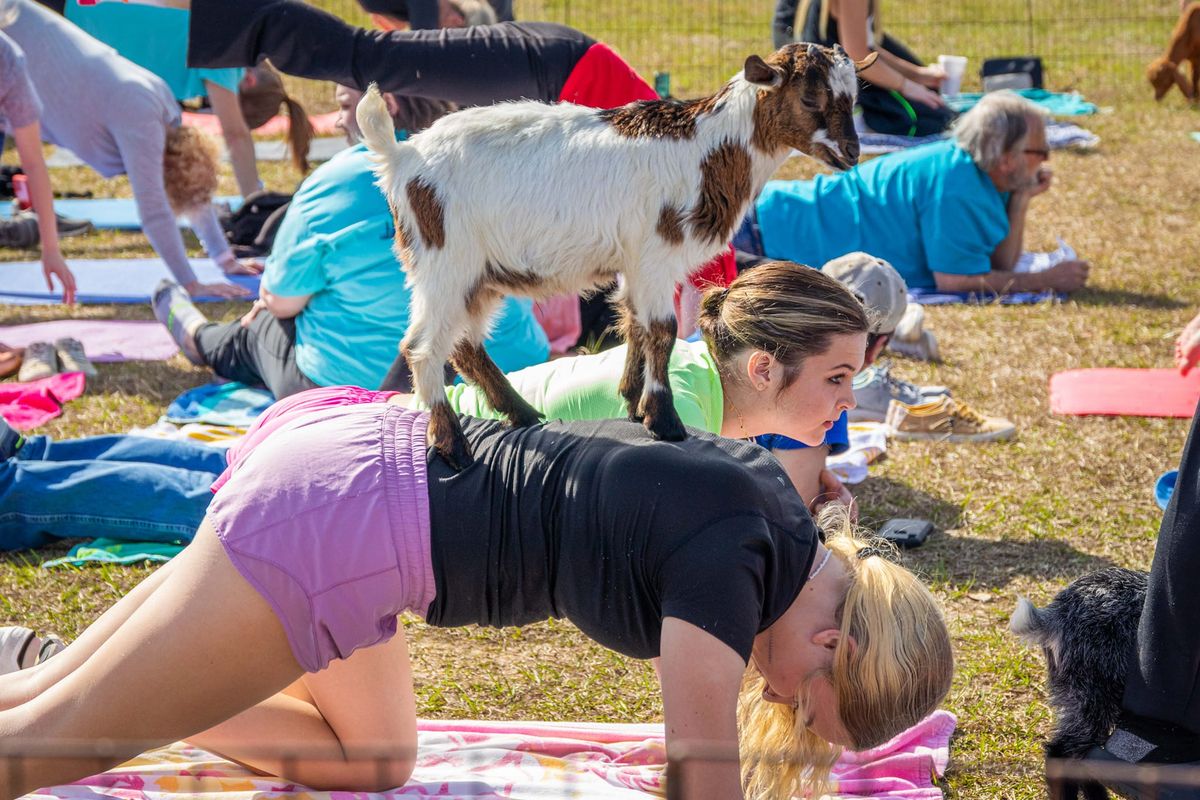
(17, 648)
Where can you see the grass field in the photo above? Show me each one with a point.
(1067, 496)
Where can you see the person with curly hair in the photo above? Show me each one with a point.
(121, 119)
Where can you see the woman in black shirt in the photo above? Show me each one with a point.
(278, 623)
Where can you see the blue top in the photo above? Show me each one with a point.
(927, 209)
(335, 243)
(153, 38)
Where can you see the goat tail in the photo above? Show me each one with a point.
(378, 130)
(1027, 622)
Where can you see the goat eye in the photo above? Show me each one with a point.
(810, 105)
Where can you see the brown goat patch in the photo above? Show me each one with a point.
(670, 225)
(514, 281)
(403, 242)
(724, 190)
(660, 119)
(430, 216)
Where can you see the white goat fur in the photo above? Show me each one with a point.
(555, 193)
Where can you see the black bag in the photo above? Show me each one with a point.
(6, 184)
(1015, 72)
(251, 229)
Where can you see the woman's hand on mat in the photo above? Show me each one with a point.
(833, 491)
(245, 266)
(921, 94)
(248, 317)
(1187, 347)
(227, 290)
(53, 264)
(1066, 276)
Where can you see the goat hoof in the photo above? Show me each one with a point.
(524, 418)
(668, 428)
(456, 454)
(448, 439)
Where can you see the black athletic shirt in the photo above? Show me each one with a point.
(599, 523)
(480, 65)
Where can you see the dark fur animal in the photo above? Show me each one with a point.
(1087, 634)
(1166, 71)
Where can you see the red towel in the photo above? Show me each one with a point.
(1125, 392)
(602, 79)
(28, 405)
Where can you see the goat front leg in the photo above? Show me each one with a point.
(634, 375)
(473, 363)
(658, 403)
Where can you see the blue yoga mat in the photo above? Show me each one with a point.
(110, 213)
(106, 280)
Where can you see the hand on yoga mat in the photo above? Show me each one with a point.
(227, 290)
(236, 266)
(53, 264)
(1187, 346)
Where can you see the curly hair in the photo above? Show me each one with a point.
(190, 161)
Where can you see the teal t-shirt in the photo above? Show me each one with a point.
(927, 209)
(585, 387)
(335, 243)
(153, 38)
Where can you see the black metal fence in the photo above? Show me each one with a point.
(1098, 47)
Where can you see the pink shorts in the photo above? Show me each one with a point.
(328, 518)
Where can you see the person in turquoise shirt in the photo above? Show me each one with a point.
(156, 39)
(948, 216)
(335, 295)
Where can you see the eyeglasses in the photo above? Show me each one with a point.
(1042, 153)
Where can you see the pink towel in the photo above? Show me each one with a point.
(27, 405)
(468, 759)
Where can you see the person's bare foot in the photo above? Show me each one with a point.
(10, 360)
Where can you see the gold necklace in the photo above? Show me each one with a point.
(741, 423)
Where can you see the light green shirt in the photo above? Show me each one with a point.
(585, 387)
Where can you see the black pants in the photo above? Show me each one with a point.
(263, 354)
(884, 110)
(469, 66)
(1163, 674)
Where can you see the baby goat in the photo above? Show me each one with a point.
(534, 199)
(1164, 72)
(1086, 633)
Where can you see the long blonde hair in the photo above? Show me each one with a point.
(785, 309)
(895, 675)
(823, 23)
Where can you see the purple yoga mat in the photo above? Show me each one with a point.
(103, 339)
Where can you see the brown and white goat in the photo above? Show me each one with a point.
(534, 199)
(1165, 72)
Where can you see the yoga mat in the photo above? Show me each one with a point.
(1125, 392)
(522, 761)
(110, 213)
(321, 148)
(1059, 135)
(107, 280)
(103, 339)
(932, 297)
(278, 125)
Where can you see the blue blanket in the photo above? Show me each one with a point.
(110, 213)
(233, 404)
(106, 280)
(932, 297)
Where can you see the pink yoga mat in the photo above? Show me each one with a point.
(103, 339)
(277, 125)
(1125, 392)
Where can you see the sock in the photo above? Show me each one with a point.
(175, 309)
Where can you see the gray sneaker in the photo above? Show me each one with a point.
(924, 348)
(41, 361)
(19, 232)
(72, 357)
(875, 388)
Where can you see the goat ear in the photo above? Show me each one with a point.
(871, 58)
(761, 73)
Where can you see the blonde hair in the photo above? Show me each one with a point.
(190, 162)
(261, 101)
(896, 673)
(785, 309)
(823, 22)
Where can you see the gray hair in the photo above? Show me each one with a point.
(998, 123)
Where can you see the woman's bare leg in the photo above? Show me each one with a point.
(22, 686)
(206, 649)
(364, 704)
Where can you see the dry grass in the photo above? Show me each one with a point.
(1069, 495)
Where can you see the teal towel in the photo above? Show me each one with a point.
(1060, 104)
(234, 404)
(112, 551)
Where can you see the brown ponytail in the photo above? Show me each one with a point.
(262, 100)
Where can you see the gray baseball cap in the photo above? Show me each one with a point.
(876, 283)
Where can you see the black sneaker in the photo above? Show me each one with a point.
(20, 232)
(68, 226)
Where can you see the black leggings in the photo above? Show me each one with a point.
(884, 110)
(481, 65)
(1162, 680)
(262, 354)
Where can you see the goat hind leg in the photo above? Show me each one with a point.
(633, 377)
(658, 403)
(474, 363)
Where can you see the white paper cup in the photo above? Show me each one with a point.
(954, 67)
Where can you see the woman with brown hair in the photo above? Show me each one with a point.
(261, 94)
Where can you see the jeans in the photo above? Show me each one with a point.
(120, 487)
